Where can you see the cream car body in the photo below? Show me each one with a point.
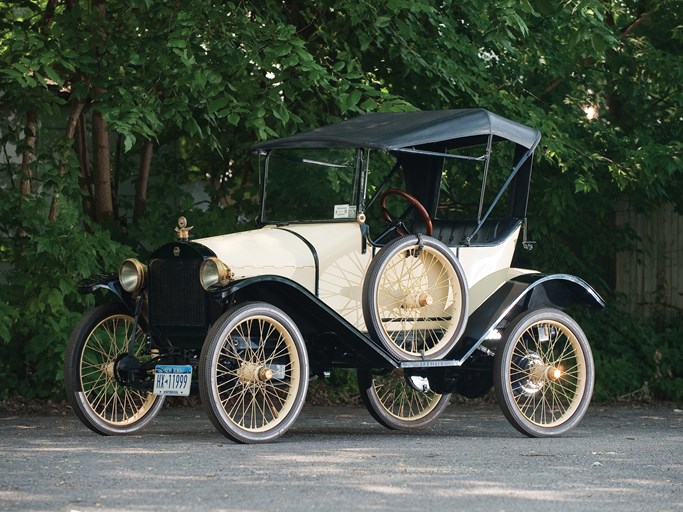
(296, 251)
(332, 253)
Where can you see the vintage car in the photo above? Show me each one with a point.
(384, 244)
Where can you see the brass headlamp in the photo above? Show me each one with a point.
(132, 275)
(214, 271)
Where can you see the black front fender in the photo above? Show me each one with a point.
(528, 291)
(108, 282)
(315, 319)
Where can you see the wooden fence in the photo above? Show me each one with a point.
(652, 276)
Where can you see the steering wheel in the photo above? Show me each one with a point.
(398, 224)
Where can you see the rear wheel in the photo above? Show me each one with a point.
(396, 404)
(543, 373)
(415, 298)
(93, 389)
(253, 373)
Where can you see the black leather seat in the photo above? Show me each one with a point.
(453, 232)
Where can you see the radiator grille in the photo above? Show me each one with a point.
(176, 298)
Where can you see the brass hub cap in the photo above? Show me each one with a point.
(540, 373)
(417, 301)
(250, 373)
(553, 373)
(108, 369)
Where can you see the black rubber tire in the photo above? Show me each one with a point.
(543, 373)
(91, 353)
(261, 408)
(401, 407)
(399, 297)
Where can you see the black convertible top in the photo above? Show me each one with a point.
(399, 130)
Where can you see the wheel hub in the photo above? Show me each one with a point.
(108, 369)
(539, 373)
(250, 373)
(418, 300)
(536, 370)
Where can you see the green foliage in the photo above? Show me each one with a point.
(40, 305)
(341, 387)
(205, 80)
(635, 358)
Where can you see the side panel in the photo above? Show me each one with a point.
(342, 267)
(329, 253)
(484, 267)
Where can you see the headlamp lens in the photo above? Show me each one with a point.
(132, 275)
(214, 271)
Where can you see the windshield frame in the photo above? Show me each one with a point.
(359, 183)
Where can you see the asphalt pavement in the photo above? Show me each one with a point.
(620, 458)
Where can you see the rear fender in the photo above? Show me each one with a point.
(528, 291)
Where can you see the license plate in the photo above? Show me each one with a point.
(172, 380)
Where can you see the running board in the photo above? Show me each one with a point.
(448, 363)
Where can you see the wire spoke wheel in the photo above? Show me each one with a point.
(94, 391)
(394, 403)
(544, 373)
(254, 373)
(415, 298)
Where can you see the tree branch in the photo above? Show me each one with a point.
(633, 26)
(28, 152)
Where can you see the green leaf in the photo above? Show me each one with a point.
(280, 51)
(52, 74)
(199, 78)
(13, 74)
(128, 142)
(383, 21)
(599, 44)
(218, 103)
(176, 43)
(369, 105)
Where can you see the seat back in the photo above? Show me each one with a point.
(453, 232)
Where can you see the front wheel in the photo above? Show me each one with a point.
(543, 373)
(397, 405)
(253, 373)
(96, 395)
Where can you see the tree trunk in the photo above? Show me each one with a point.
(76, 110)
(101, 168)
(85, 182)
(116, 176)
(141, 184)
(104, 211)
(49, 13)
(28, 152)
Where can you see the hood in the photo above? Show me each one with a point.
(265, 251)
